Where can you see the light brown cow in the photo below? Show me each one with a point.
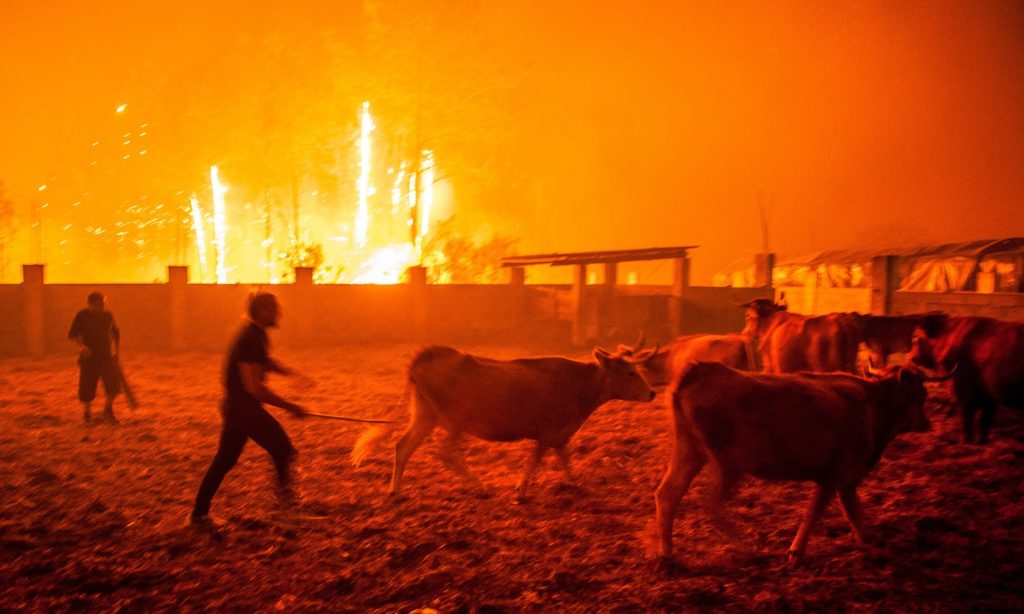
(543, 399)
(829, 429)
(789, 342)
(660, 366)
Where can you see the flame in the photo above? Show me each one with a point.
(427, 183)
(197, 225)
(220, 226)
(386, 265)
(362, 222)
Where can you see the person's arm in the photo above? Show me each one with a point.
(75, 335)
(115, 334)
(253, 376)
(275, 366)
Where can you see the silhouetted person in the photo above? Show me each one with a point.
(242, 411)
(98, 339)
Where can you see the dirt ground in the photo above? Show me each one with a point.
(93, 517)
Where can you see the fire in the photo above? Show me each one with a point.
(386, 265)
(220, 226)
(197, 226)
(362, 222)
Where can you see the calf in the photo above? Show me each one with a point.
(829, 429)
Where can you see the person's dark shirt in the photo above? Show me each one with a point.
(96, 330)
(252, 346)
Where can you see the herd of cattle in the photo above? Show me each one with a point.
(781, 400)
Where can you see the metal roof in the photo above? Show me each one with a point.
(606, 256)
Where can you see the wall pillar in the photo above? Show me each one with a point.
(764, 264)
(32, 276)
(418, 287)
(884, 281)
(680, 282)
(517, 281)
(579, 313)
(177, 282)
(303, 321)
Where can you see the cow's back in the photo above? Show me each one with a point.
(499, 400)
(776, 427)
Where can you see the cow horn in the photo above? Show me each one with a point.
(644, 356)
(943, 377)
(639, 345)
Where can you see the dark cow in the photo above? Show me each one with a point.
(660, 366)
(886, 335)
(543, 399)
(789, 342)
(829, 429)
(988, 356)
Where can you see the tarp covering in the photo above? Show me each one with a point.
(983, 266)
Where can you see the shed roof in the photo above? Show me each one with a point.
(604, 256)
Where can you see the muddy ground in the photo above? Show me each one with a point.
(93, 517)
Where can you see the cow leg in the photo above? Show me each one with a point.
(850, 503)
(563, 462)
(988, 412)
(451, 456)
(686, 464)
(723, 490)
(421, 428)
(967, 411)
(531, 468)
(820, 500)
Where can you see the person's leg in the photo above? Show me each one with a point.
(232, 441)
(88, 377)
(267, 432)
(111, 386)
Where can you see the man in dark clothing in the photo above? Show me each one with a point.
(243, 415)
(98, 339)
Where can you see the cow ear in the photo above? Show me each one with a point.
(601, 355)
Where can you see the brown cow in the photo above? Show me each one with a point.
(829, 429)
(660, 366)
(543, 399)
(988, 356)
(789, 342)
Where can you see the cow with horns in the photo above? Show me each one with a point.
(829, 429)
(543, 399)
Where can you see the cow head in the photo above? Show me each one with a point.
(622, 380)
(910, 397)
(758, 314)
(652, 362)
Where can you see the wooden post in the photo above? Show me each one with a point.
(579, 314)
(763, 266)
(418, 286)
(811, 292)
(32, 276)
(517, 283)
(303, 307)
(884, 281)
(177, 285)
(680, 282)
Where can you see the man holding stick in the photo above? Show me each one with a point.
(243, 415)
(98, 339)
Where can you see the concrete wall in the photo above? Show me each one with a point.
(12, 321)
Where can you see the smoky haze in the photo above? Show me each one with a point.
(570, 125)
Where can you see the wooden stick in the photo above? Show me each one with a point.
(347, 419)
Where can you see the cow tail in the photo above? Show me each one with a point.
(369, 440)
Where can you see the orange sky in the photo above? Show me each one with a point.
(628, 124)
